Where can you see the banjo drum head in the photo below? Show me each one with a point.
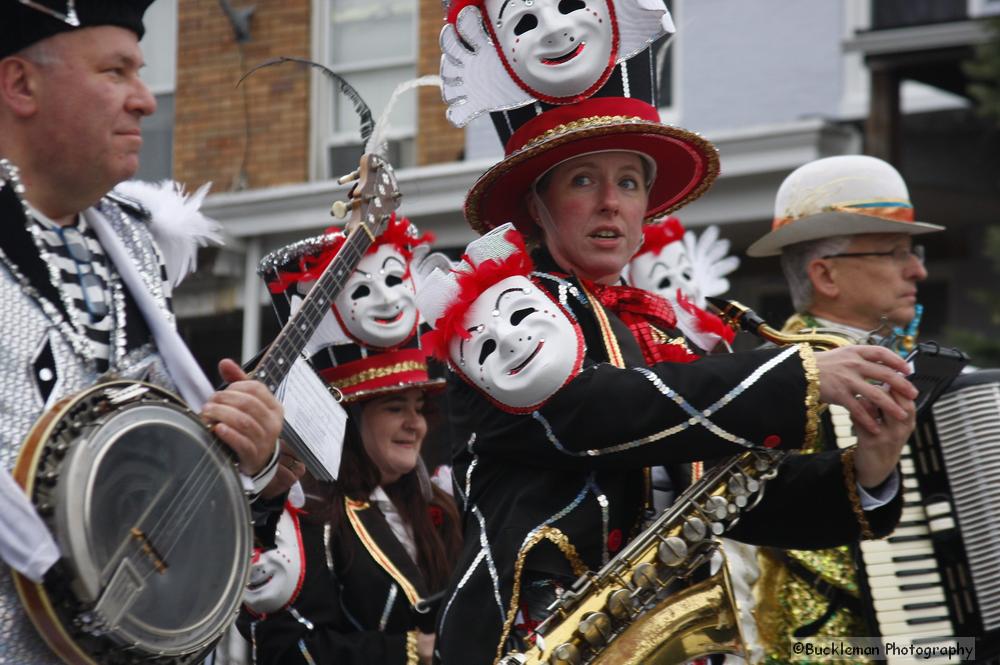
(154, 525)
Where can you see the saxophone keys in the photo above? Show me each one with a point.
(565, 654)
(595, 628)
(694, 530)
(645, 576)
(738, 485)
(672, 551)
(717, 507)
(621, 604)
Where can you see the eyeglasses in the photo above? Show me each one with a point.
(900, 255)
(92, 286)
(69, 17)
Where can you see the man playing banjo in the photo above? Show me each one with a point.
(85, 287)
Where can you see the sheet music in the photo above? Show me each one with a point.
(314, 420)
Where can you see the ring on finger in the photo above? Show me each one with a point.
(858, 396)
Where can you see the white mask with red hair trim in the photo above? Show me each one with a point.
(662, 265)
(376, 306)
(497, 328)
(276, 575)
(503, 54)
(684, 270)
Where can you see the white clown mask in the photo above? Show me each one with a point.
(276, 575)
(665, 272)
(376, 307)
(523, 347)
(555, 48)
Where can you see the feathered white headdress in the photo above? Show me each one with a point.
(178, 224)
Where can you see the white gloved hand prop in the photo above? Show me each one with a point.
(473, 78)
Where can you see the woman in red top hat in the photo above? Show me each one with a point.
(552, 470)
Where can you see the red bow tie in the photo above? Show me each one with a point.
(642, 311)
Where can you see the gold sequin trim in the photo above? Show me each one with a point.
(847, 460)
(376, 552)
(430, 385)
(607, 334)
(812, 395)
(582, 123)
(559, 539)
(379, 373)
(412, 656)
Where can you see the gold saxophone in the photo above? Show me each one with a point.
(630, 612)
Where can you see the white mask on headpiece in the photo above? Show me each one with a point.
(523, 348)
(276, 574)
(557, 48)
(377, 305)
(665, 272)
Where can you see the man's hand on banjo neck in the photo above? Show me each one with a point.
(248, 418)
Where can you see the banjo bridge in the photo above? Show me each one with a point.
(149, 550)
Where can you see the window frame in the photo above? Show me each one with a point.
(982, 8)
(672, 112)
(324, 139)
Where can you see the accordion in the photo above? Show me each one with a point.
(935, 578)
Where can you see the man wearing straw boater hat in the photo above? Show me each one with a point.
(86, 273)
(844, 228)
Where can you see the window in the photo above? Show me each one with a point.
(664, 60)
(159, 47)
(984, 7)
(373, 45)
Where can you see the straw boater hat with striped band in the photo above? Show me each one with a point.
(839, 196)
(685, 163)
(378, 350)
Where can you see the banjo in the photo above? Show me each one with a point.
(146, 505)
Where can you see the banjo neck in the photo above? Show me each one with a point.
(373, 200)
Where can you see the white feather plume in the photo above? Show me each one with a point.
(379, 138)
(178, 225)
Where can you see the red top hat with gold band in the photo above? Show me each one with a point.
(367, 344)
(685, 164)
(382, 373)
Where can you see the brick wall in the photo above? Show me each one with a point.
(437, 140)
(210, 128)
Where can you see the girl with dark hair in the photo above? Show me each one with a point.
(357, 568)
(359, 563)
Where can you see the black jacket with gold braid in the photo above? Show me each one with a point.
(558, 491)
(356, 603)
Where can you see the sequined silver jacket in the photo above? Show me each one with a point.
(42, 359)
